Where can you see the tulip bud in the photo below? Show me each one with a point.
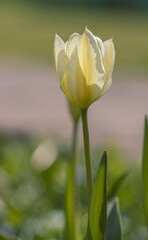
(84, 66)
(74, 111)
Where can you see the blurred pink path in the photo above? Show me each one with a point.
(32, 102)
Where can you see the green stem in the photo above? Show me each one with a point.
(70, 192)
(74, 139)
(87, 155)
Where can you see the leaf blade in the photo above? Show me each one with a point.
(145, 169)
(113, 228)
(70, 202)
(115, 187)
(98, 207)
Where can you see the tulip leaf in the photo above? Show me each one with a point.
(88, 235)
(145, 169)
(98, 207)
(7, 236)
(70, 202)
(114, 189)
(113, 228)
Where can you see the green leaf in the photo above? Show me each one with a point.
(98, 207)
(88, 235)
(70, 202)
(114, 189)
(145, 169)
(113, 229)
(7, 236)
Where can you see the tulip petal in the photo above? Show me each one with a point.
(100, 45)
(73, 40)
(83, 93)
(108, 60)
(60, 56)
(90, 59)
(58, 46)
(64, 84)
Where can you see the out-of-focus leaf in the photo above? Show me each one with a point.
(113, 229)
(88, 234)
(70, 203)
(7, 236)
(114, 189)
(98, 208)
(145, 169)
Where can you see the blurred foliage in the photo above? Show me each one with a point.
(33, 175)
(27, 31)
(104, 3)
(145, 170)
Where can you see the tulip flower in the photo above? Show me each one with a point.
(84, 66)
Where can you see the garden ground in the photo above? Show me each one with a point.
(32, 102)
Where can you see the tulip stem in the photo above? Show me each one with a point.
(87, 155)
(74, 139)
(70, 192)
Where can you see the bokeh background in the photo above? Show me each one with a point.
(35, 126)
(30, 98)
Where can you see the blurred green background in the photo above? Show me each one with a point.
(33, 171)
(33, 176)
(27, 30)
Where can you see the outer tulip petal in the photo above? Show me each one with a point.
(65, 86)
(83, 93)
(73, 40)
(109, 57)
(108, 60)
(60, 56)
(90, 59)
(100, 45)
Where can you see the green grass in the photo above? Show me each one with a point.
(27, 31)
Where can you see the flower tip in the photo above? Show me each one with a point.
(111, 39)
(58, 39)
(85, 29)
(56, 35)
